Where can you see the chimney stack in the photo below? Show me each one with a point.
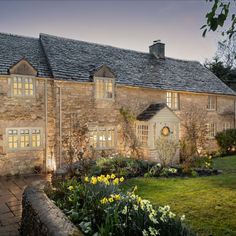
(157, 49)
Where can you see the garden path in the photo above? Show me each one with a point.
(11, 189)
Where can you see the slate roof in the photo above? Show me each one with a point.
(67, 59)
(13, 48)
(151, 111)
(75, 60)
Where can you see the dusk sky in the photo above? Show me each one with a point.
(126, 24)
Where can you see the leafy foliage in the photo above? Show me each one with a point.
(226, 140)
(218, 16)
(99, 207)
(121, 166)
(219, 69)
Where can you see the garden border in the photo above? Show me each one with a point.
(41, 217)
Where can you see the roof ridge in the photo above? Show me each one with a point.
(98, 44)
(116, 47)
(17, 35)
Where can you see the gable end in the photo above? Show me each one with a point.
(23, 67)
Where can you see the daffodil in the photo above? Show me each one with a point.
(122, 179)
(117, 197)
(113, 176)
(116, 181)
(111, 199)
(93, 180)
(104, 200)
(86, 179)
(70, 188)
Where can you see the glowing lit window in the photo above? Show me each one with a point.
(12, 139)
(104, 88)
(22, 86)
(172, 100)
(24, 138)
(102, 137)
(142, 134)
(36, 138)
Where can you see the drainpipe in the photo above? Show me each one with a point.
(60, 129)
(46, 121)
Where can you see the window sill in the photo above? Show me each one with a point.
(211, 110)
(25, 149)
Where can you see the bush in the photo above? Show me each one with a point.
(226, 140)
(159, 171)
(121, 166)
(99, 207)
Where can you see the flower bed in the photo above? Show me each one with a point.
(98, 206)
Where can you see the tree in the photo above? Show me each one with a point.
(129, 137)
(218, 68)
(219, 16)
(194, 123)
(76, 144)
(166, 149)
(226, 51)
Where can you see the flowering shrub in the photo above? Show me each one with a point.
(121, 166)
(158, 170)
(99, 207)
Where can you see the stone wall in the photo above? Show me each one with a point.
(41, 217)
(79, 99)
(27, 112)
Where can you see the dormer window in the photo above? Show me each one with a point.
(104, 80)
(104, 88)
(22, 79)
(23, 86)
(172, 100)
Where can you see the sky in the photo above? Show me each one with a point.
(132, 24)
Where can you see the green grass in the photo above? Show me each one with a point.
(209, 203)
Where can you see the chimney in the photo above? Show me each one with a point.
(157, 49)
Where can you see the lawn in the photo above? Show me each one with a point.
(209, 203)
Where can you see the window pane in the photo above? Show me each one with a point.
(172, 100)
(104, 88)
(36, 138)
(102, 137)
(211, 105)
(142, 134)
(24, 138)
(23, 86)
(12, 139)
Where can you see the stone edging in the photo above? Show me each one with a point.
(41, 217)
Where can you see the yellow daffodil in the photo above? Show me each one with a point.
(104, 200)
(122, 179)
(116, 181)
(113, 176)
(117, 197)
(70, 188)
(86, 179)
(93, 180)
(111, 199)
(108, 176)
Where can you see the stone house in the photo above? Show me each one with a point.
(44, 80)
